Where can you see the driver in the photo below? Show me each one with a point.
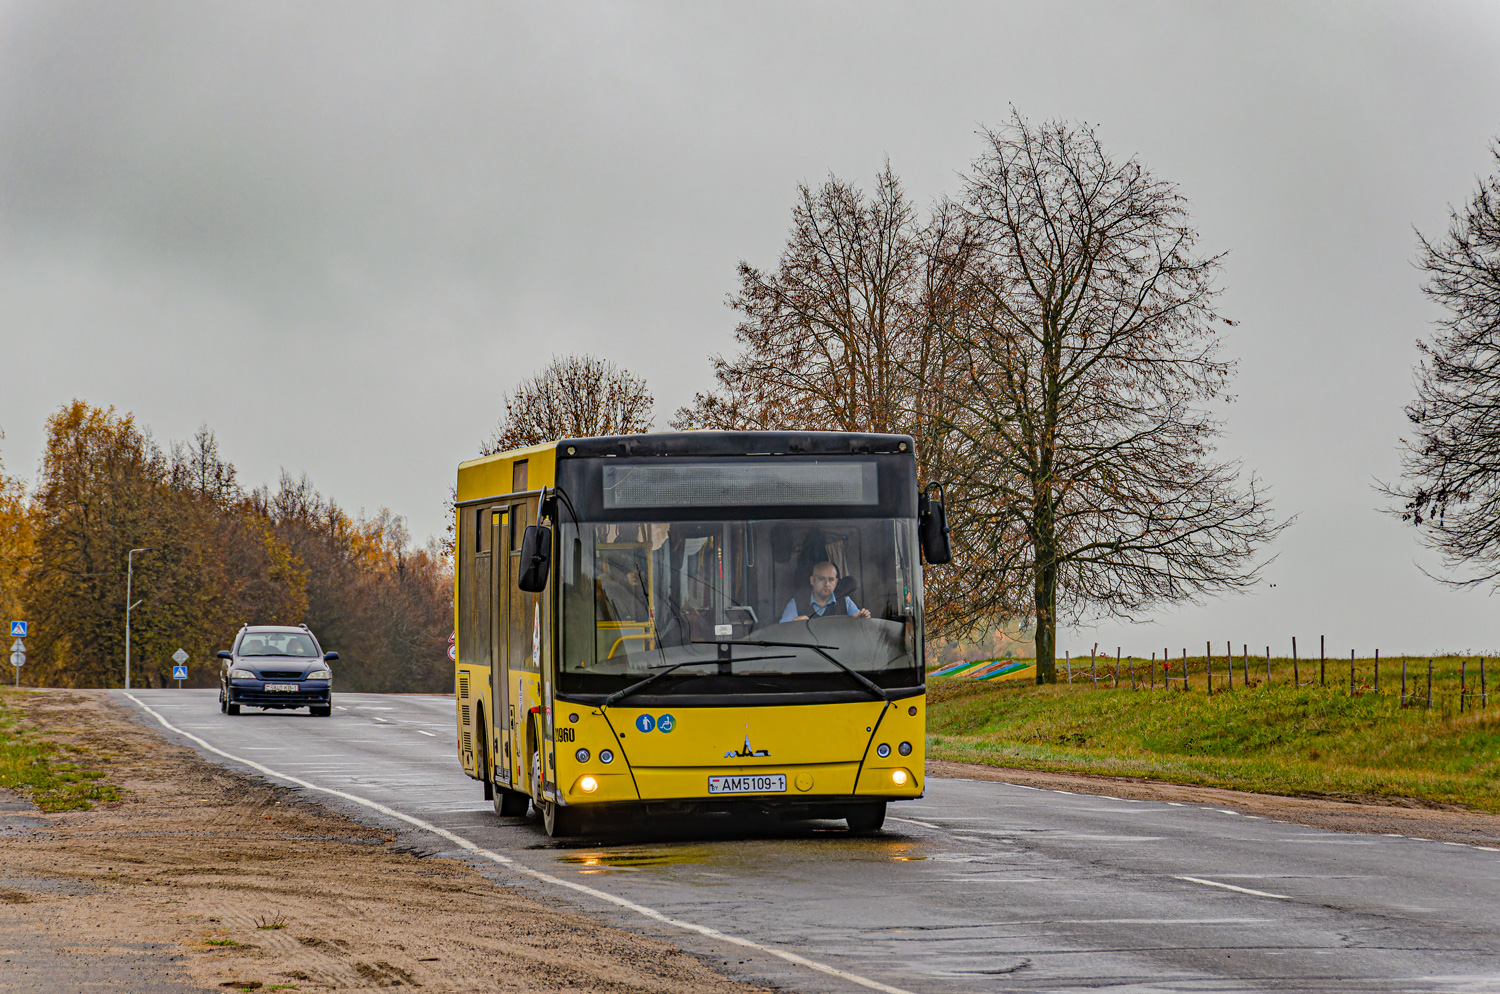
(819, 601)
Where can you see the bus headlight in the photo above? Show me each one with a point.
(605, 756)
(582, 755)
(904, 748)
(899, 777)
(588, 784)
(882, 750)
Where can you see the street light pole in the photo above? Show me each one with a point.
(130, 575)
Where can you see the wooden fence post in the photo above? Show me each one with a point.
(1429, 685)
(1377, 671)
(1153, 669)
(1245, 648)
(1229, 662)
(1184, 670)
(1208, 666)
(1484, 691)
(1268, 666)
(1463, 683)
(1351, 672)
(1068, 655)
(1117, 666)
(1322, 664)
(1094, 665)
(1296, 676)
(1403, 681)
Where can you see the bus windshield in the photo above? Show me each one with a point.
(737, 607)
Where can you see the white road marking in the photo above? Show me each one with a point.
(420, 732)
(913, 821)
(1242, 890)
(516, 867)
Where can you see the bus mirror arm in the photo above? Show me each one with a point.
(932, 527)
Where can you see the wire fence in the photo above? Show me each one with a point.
(1459, 681)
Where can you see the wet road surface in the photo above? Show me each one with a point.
(976, 887)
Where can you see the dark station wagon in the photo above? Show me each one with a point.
(276, 667)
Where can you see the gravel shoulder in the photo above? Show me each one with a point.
(201, 878)
(1370, 815)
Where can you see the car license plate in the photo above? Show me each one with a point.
(291, 687)
(749, 783)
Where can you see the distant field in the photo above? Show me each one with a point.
(1276, 738)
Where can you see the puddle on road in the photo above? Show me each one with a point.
(636, 859)
(743, 853)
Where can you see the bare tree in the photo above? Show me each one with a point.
(1451, 468)
(1085, 352)
(573, 396)
(848, 333)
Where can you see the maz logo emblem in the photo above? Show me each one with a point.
(747, 752)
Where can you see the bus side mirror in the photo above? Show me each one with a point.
(536, 559)
(932, 531)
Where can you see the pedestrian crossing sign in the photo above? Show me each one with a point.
(179, 673)
(18, 629)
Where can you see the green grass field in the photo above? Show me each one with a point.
(1310, 739)
(44, 771)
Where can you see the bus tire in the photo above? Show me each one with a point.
(868, 817)
(511, 803)
(560, 821)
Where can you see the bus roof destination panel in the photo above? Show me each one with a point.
(721, 483)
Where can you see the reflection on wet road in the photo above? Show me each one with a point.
(977, 887)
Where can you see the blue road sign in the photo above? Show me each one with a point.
(18, 629)
(179, 673)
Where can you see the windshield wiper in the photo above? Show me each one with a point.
(622, 694)
(869, 684)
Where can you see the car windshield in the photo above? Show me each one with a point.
(739, 606)
(277, 644)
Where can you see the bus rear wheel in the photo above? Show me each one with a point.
(863, 818)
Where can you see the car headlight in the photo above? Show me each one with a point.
(241, 675)
(320, 675)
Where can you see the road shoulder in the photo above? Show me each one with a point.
(203, 878)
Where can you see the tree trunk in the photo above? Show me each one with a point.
(1045, 593)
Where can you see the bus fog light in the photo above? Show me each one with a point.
(605, 756)
(882, 750)
(582, 755)
(899, 777)
(588, 784)
(904, 748)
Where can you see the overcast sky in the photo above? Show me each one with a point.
(338, 232)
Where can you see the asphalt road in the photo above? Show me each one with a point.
(976, 887)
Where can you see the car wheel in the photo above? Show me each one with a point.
(231, 709)
(223, 707)
(321, 712)
(866, 817)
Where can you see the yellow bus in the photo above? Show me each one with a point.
(676, 624)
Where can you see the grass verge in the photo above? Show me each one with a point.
(53, 776)
(1308, 740)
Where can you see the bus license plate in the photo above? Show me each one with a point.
(291, 687)
(757, 783)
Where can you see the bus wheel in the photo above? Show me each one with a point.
(866, 817)
(511, 803)
(560, 821)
